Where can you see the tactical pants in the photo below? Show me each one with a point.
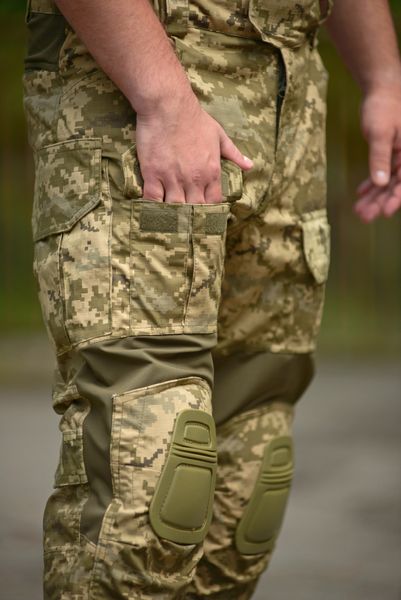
(183, 333)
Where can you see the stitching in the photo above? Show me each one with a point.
(109, 214)
(62, 290)
(191, 274)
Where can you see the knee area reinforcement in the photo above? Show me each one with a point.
(181, 508)
(261, 522)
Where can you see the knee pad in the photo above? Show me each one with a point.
(258, 529)
(181, 508)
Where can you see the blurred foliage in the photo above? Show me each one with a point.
(12, 6)
(363, 310)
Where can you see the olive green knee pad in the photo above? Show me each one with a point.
(181, 508)
(263, 516)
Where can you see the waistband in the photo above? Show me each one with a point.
(284, 23)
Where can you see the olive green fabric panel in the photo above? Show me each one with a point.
(46, 35)
(245, 381)
(113, 367)
(181, 508)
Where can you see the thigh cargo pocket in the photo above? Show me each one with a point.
(71, 223)
(177, 256)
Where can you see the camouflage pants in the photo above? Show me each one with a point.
(183, 333)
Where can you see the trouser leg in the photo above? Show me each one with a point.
(136, 476)
(130, 294)
(255, 465)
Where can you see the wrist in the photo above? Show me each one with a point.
(165, 100)
(384, 80)
(163, 85)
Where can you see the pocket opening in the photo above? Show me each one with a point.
(231, 177)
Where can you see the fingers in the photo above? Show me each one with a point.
(153, 190)
(194, 194)
(175, 194)
(191, 194)
(369, 208)
(380, 152)
(230, 151)
(397, 160)
(393, 202)
(392, 206)
(213, 193)
(184, 164)
(364, 187)
(172, 191)
(376, 201)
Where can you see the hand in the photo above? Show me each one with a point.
(179, 148)
(380, 194)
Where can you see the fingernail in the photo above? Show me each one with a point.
(381, 177)
(247, 160)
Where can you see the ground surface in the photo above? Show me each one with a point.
(342, 534)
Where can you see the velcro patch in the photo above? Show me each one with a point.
(161, 221)
(215, 223)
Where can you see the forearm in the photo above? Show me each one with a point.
(364, 35)
(129, 43)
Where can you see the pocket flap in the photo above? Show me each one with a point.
(231, 180)
(67, 185)
(316, 242)
(231, 177)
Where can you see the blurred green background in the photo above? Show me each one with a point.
(363, 309)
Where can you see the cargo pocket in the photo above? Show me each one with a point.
(209, 228)
(177, 256)
(159, 270)
(71, 468)
(71, 223)
(316, 244)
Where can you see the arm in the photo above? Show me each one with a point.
(365, 38)
(179, 145)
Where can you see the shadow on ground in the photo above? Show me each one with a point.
(342, 535)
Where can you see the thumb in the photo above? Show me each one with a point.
(230, 151)
(380, 151)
